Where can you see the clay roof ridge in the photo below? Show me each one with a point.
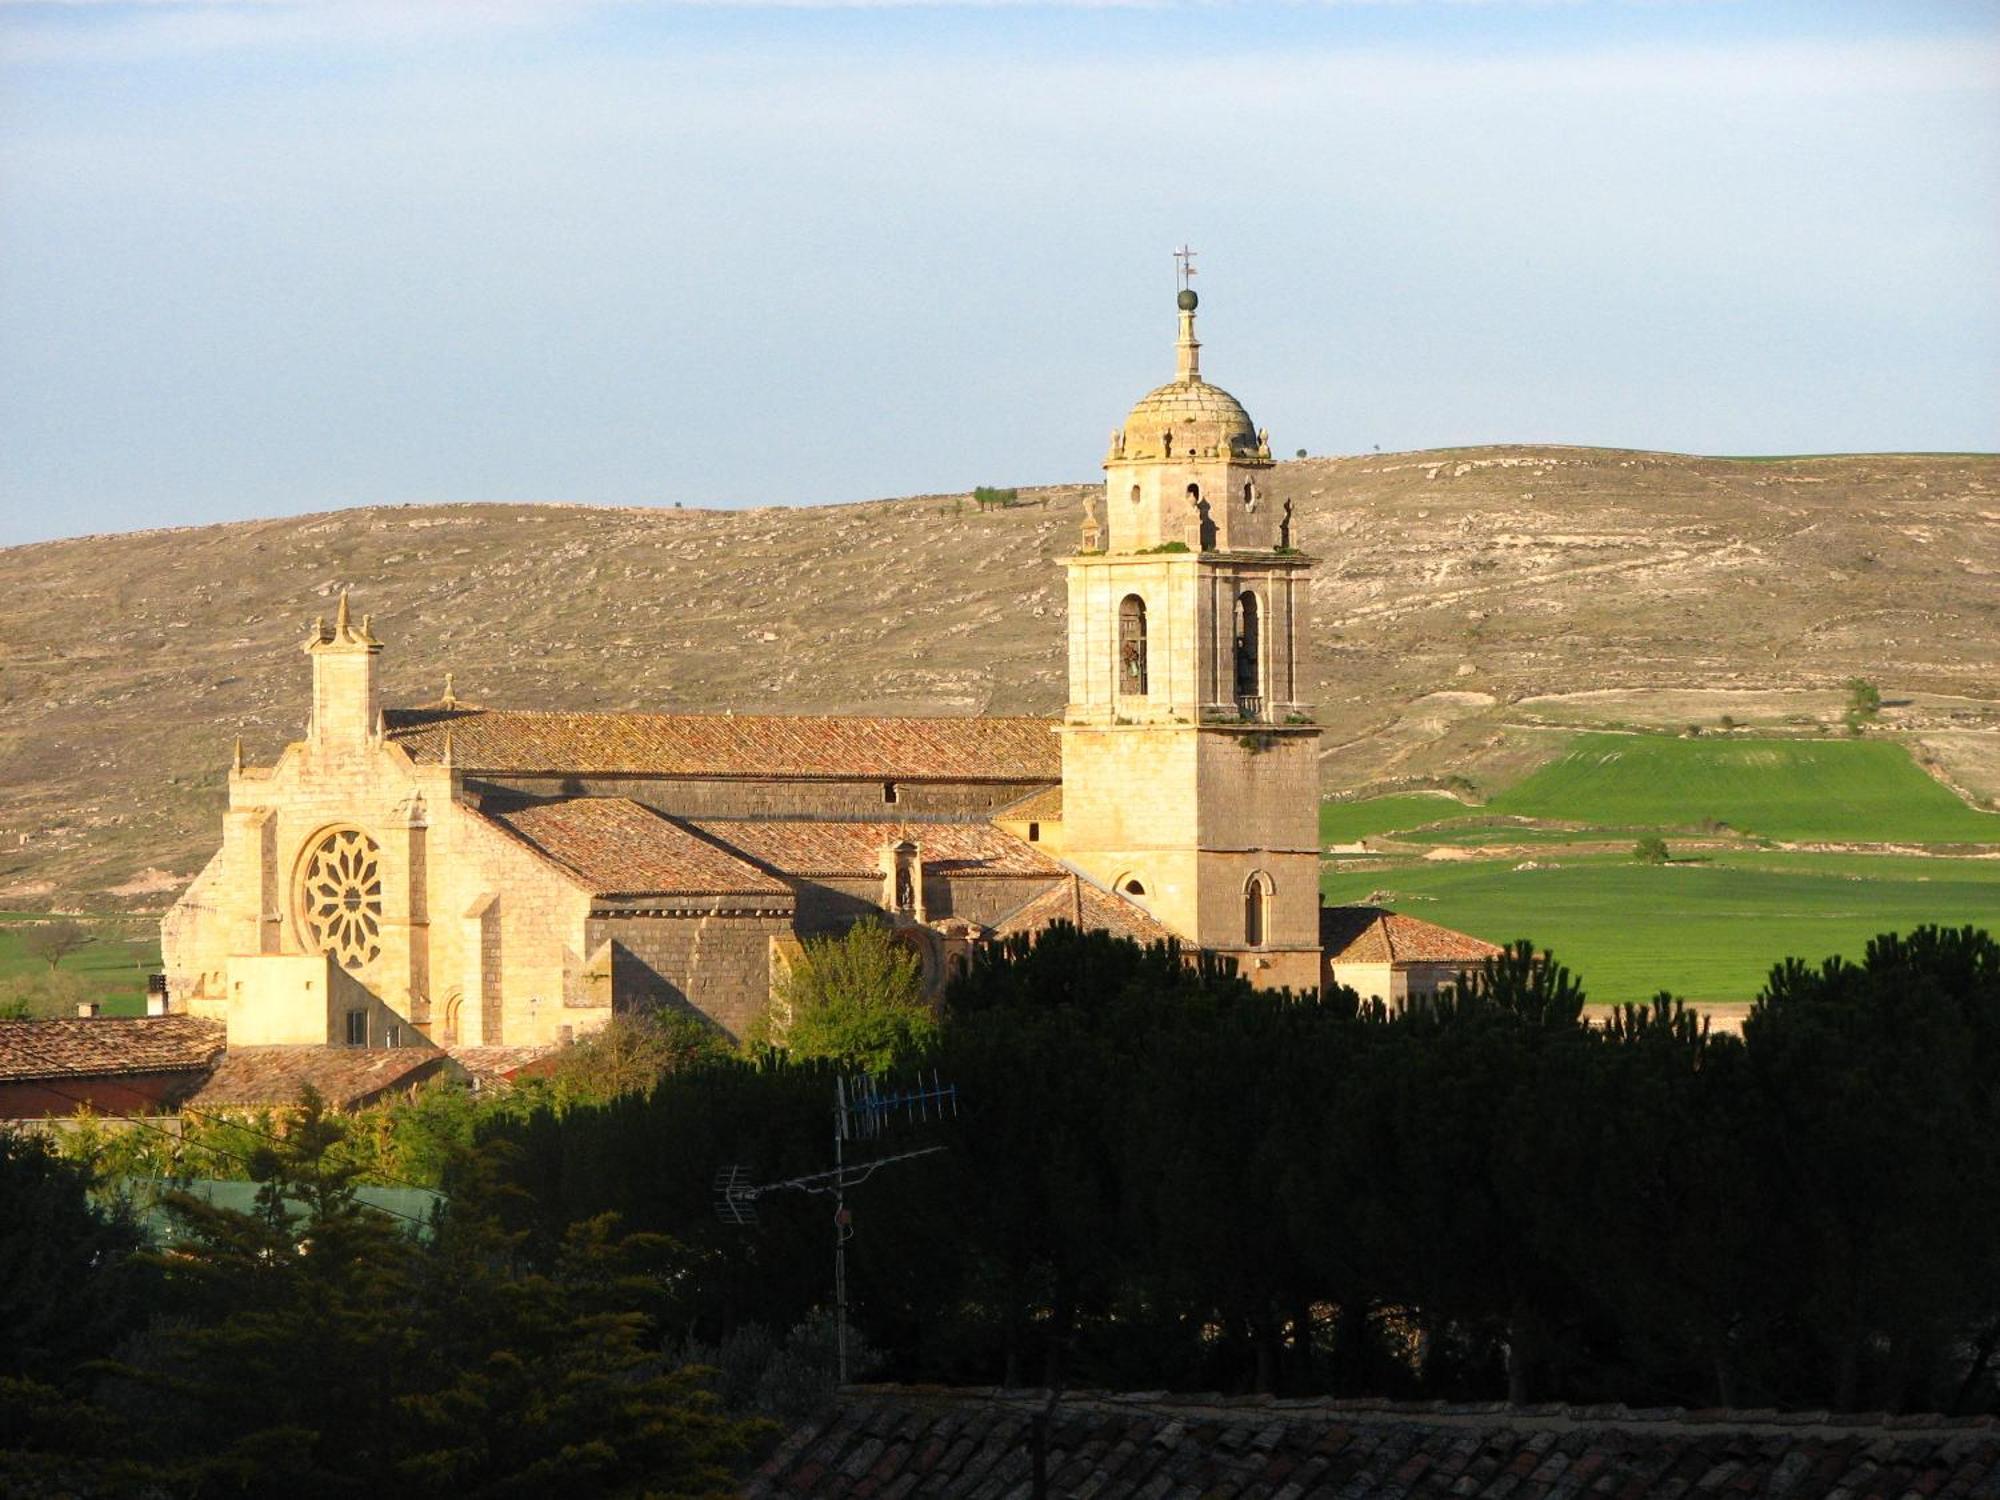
(497, 820)
(723, 846)
(111, 1046)
(462, 709)
(1552, 1416)
(583, 819)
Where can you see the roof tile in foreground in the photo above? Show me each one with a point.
(1375, 935)
(616, 847)
(509, 741)
(915, 1440)
(106, 1047)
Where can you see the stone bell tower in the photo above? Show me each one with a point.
(1190, 765)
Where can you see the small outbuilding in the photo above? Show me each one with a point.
(138, 1065)
(1384, 955)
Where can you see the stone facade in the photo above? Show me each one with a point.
(1187, 635)
(482, 878)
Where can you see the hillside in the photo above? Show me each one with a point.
(1465, 597)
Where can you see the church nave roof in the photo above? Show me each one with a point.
(760, 746)
(616, 847)
(843, 850)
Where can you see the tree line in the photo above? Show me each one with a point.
(1158, 1177)
(1163, 1177)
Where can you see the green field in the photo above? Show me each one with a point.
(1833, 790)
(1616, 785)
(1706, 931)
(1350, 822)
(1706, 928)
(115, 966)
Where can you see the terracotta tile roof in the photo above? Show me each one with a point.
(840, 849)
(348, 1077)
(616, 847)
(1373, 935)
(754, 745)
(892, 1441)
(1044, 806)
(496, 1067)
(107, 1047)
(1090, 907)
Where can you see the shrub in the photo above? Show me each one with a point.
(42, 996)
(858, 998)
(1651, 850)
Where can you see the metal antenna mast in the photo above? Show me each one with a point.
(861, 1112)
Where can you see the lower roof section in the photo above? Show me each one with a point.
(905, 1440)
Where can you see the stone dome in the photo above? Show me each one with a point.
(1203, 418)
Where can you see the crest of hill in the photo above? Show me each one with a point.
(128, 663)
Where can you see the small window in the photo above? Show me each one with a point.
(889, 792)
(1034, 833)
(1135, 494)
(357, 1028)
(1256, 897)
(1134, 887)
(392, 1036)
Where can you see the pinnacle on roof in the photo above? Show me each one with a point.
(345, 632)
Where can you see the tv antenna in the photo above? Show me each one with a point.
(862, 1111)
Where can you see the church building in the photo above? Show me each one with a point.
(457, 875)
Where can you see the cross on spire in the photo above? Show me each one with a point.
(1184, 265)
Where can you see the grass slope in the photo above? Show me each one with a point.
(1824, 790)
(1706, 931)
(1350, 822)
(1620, 785)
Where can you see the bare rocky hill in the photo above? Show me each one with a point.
(1453, 585)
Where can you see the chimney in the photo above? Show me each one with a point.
(156, 1005)
(86, 1010)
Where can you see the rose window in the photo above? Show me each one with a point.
(340, 897)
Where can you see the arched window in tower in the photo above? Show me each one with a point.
(1250, 497)
(1249, 656)
(1256, 902)
(1132, 646)
(1135, 494)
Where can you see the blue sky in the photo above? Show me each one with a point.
(285, 255)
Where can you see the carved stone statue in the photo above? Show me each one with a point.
(1285, 526)
(1093, 530)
